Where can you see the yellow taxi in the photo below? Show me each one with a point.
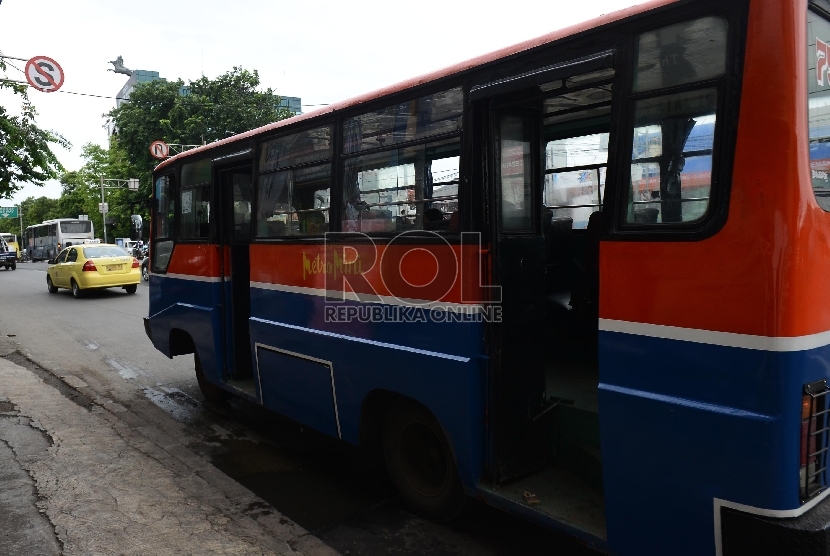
(85, 267)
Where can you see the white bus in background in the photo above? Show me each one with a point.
(44, 241)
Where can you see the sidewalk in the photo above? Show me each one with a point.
(82, 476)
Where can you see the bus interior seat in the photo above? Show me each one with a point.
(276, 228)
(646, 215)
(558, 255)
(455, 222)
(585, 298)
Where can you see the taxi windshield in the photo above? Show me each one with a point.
(99, 251)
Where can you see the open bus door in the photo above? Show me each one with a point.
(234, 201)
(517, 380)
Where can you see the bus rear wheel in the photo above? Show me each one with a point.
(210, 391)
(421, 463)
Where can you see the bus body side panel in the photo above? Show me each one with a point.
(702, 361)
(690, 422)
(336, 362)
(188, 298)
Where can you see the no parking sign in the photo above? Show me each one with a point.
(44, 74)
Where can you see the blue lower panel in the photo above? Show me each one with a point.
(451, 387)
(683, 423)
(298, 388)
(192, 307)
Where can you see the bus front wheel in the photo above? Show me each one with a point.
(421, 463)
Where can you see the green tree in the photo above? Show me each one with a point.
(25, 152)
(81, 189)
(200, 112)
(203, 111)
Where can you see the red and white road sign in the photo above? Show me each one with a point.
(159, 150)
(44, 74)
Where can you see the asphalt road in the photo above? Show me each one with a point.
(339, 493)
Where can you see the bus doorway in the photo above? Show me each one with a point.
(235, 196)
(518, 380)
(549, 149)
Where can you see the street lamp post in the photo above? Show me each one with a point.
(132, 185)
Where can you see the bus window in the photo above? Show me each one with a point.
(242, 206)
(194, 200)
(313, 145)
(166, 208)
(195, 212)
(673, 134)
(516, 183)
(679, 54)
(818, 106)
(576, 152)
(672, 157)
(163, 222)
(294, 202)
(418, 118)
(404, 189)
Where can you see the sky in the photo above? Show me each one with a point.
(319, 50)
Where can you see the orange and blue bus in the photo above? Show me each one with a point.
(582, 278)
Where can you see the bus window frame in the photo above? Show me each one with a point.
(821, 8)
(177, 191)
(465, 152)
(728, 86)
(173, 178)
(334, 184)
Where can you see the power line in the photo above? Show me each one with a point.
(101, 96)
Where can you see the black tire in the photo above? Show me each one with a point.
(421, 463)
(14, 266)
(131, 288)
(210, 391)
(50, 286)
(145, 273)
(76, 290)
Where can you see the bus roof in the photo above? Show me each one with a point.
(434, 76)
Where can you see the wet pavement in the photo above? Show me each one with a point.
(271, 470)
(84, 475)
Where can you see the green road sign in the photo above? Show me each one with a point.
(8, 212)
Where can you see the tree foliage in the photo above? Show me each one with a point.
(203, 111)
(25, 149)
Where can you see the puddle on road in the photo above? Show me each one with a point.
(182, 407)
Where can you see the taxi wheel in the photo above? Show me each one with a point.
(50, 286)
(421, 463)
(131, 289)
(76, 290)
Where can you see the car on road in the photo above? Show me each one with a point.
(8, 256)
(81, 268)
